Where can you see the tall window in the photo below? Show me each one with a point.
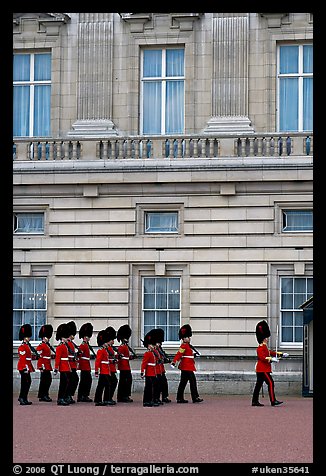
(294, 292)
(29, 304)
(295, 87)
(32, 94)
(163, 91)
(161, 306)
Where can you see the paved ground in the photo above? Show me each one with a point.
(222, 429)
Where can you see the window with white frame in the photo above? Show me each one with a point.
(295, 87)
(297, 220)
(161, 222)
(31, 94)
(294, 292)
(161, 305)
(28, 222)
(29, 304)
(163, 79)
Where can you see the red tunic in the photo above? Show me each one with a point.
(186, 357)
(102, 364)
(84, 357)
(112, 359)
(263, 365)
(159, 365)
(123, 362)
(148, 365)
(25, 358)
(61, 358)
(72, 354)
(44, 362)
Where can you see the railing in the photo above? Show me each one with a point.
(167, 147)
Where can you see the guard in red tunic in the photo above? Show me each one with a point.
(125, 354)
(46, 352)
(148, 371)
(84, 364)
(102, 371)
(164, 359)
(263, 365)
(24, 364)
(113, 359)
(186, 356)
(73, 360)
(62, 364)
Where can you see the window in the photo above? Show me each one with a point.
(28, 223)
(163, 91)
(161, 222)
(29, 304)
(161, 305)
(295, 87)
(32, 95)
(297, 220)
(294, 292)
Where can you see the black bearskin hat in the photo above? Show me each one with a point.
(150, 338)
(112, 333)
(159, 335)
(185, 331)
(124, 332)
(25, 331)
(86, 330)
(62, 331)
(72, 328)
(102, 337)
(262, 331)
(46, 331)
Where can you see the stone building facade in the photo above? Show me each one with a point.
(230, 177)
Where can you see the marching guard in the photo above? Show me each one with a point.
(62, 364)
(148, 371)
(164, 359)
(186, 356)
(263, 365)
(102, 371)
(24, 364)
(46, 352)
(84, 365)
(125, 354)
(73, 360)
(113, 361)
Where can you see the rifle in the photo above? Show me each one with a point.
(166, 358)
(52, 348)
(92, 350)
(197, 353)
(133, 353)
(34, 351)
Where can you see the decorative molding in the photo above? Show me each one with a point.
(136, 21)
(274, 20)
(184, 21)
(48, 23)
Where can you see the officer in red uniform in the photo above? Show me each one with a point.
(24, 364)
(164, 359)
(148, 371)
(84, 364)
(186, 356)
(73, 360)
(102, 371)
(113, 359)
(62, 364)
(263, 365)
(46, 352)
(125, 354)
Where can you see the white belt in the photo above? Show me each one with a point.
(46, 357)
(124, 358)
(151, 364)
(28, 358)
(105, 362)
(64, 358)
(85, 358)
(188, 357)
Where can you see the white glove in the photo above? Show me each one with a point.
(274, 359)
(172, 366)
(285, 354)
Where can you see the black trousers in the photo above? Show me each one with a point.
(73, 382)
(85, 384)
(25, 383)
(261, 378)
(150, 390)
(187, 376)
(113, 384)
(45, 383)
(63, 391)
(164, 387)
(124, 385)
(102, 384)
